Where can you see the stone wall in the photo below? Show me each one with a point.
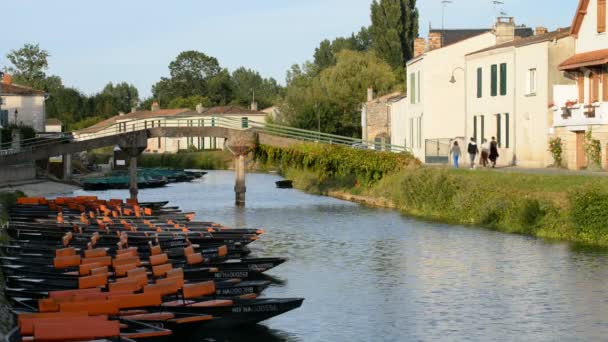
(17, 173)
(569, 145)
(378, 120)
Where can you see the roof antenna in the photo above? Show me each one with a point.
(498, 8)
(444, 4)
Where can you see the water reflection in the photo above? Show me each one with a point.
(370, 275)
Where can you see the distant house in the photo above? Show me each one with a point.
(21, 105)
(272, 112)
(377, 115)
(509, 91)
(53, 126)
(436, 85)
(242, 118)
(583, 107)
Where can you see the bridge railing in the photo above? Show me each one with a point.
(136, 125)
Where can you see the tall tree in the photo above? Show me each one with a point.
(246, 82)
(29, 65)
(394, 28)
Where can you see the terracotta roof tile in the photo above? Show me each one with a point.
(558, 34)
(15, 89)
(585, 59)
(52, 122)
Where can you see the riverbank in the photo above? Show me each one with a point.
(563, 207)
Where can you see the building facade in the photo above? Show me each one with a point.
(582, 108)
(376, 118)
(437, 86)
(21, 105)
(509, 92)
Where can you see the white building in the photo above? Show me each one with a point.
(583, 107)
(509, 92)
(436, 112)
(21, 105)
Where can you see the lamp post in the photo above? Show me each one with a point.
(454, 81)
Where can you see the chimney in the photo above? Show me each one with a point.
(7, 79)
(370, 94)
(121, 113)
(254, 106)
(435, 41)
(133, 109)
(419, 47)
(504, 30)
(540, 31)
(199, 108)
(155, 106)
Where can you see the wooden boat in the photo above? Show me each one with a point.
(284, 184)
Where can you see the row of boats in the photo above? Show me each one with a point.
(146, 178)
(86, 269)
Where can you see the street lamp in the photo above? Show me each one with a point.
(453, 79)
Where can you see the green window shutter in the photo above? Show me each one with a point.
(412, 88)
(483, 128)
(507, 130)
(479, 82)
(494, 89)
(419, 91)
(498, 130)
(503, 79)
(475, 127)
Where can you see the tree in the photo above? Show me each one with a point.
(219, 88)
(246, 81)
(29, 65)
(190, 102)
(124, 96)
(393, 30)
(191, 71)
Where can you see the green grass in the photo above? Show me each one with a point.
(552, 206)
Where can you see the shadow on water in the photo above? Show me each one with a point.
(245, 334)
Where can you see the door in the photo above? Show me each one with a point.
(581, 159)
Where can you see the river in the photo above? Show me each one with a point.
(374, 275)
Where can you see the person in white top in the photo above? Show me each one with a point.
(485, 153)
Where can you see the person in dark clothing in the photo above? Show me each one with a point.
(473, 152)
(485, 153)
(494, 152)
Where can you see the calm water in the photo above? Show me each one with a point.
(373, 275)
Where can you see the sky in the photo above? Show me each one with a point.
(92, 43)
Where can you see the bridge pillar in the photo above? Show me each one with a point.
(133, 145)
(239, 186)
(67, 167)
(240, 143)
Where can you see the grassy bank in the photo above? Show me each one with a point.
(564, 207)
(208, 160)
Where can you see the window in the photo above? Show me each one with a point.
(479, 82)
(494, 85)
(475, 127)
(245, 122)
(498, 130)
(531, 82)
(503, 79)
(419, 132)
(418, 90)
(411, 133)
(412, 88)
(507, 130)
(601, 16)
(3, 118)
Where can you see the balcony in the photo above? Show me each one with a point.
(581, 115)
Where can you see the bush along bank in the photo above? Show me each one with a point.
(563, 207)
(208, 160)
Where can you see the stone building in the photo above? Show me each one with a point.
(376, 117)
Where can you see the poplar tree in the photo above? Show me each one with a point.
(394, 29)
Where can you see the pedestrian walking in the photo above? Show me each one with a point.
(485, 153)
(455, 152)
(494, 152)
(473, 152)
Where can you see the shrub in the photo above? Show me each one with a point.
(27, 132)
(556, 149)
(213, 160)
(589, 210)
(593, 150)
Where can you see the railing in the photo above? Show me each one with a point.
(581, 115)
(137, 125)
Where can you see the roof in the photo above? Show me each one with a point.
(227, 110)
(52, 122)
(558, 34)
(144, 114)
(452, 36)
(585, 59)
(15, 89)
(396, 96)
(581, 11)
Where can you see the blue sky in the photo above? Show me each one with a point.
(94, 42)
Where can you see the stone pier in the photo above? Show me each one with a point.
(133, 145)
(67, 167)
(240, 145)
